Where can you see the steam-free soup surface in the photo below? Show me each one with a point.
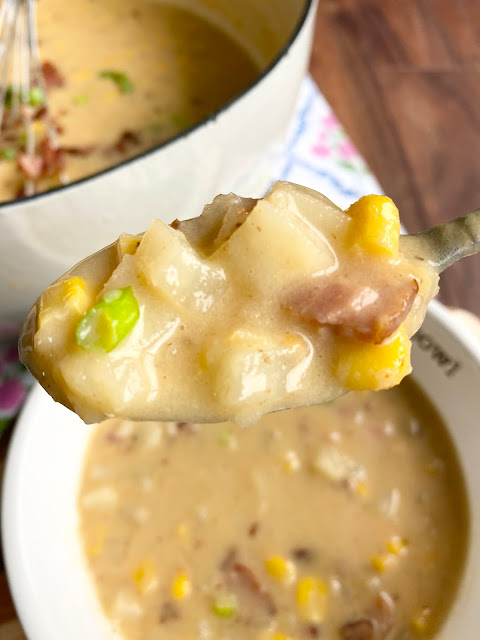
(130, 75)
(346, 521)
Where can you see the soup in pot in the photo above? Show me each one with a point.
(346, 521)
(121, 76)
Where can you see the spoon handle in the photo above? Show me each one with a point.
(445, 244)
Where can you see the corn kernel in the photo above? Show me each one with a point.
(181, 587)
(375, 226)
(397, 545)
(382, 562)
(291, 461)
(145, 576)
(281, 569)
(361, 366)
(420, 622)
(68, 296)
(273, 635)
(312, 599)
(361, 489)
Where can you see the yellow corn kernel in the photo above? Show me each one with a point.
(361, 365)
(382, 562)
(397, 545)
(374, 226)
(361, 489)
(65, 296)
(273, 635)
(420, 622)
(181, 587)
(281, 569)
(127, 244)
(145, 576)
(96, 540)
(291, 461)
(312, 599)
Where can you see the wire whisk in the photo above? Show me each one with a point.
(23, 94)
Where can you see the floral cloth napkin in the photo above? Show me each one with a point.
(317, 154)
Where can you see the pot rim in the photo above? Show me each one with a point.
(308, 4)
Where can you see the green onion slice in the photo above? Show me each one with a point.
(109, 321)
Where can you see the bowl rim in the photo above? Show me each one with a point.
(308, 5)
(19, 583)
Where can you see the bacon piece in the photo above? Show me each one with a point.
(361, 629)
(30, 165)
(247, 579)
(370, 312)
(53, 157)
(126, 140)
(51, 75)
(80, 151)
(242, 579)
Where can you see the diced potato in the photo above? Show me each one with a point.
(173, 268)
(102, 498)
(275, 246)
(336, 466)
(375, 226)
(249, 365)
(360, 365)
(126, 605)
(316, 209)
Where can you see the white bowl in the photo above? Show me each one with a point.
(233, 150)
(51, 588)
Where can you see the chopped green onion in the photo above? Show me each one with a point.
(123, 82)
(80, 100)
(8, 98)
(36, 97)
(227, 439)
(225, 605)
(8, 153)
(109, 321)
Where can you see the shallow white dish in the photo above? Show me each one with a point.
(234, 149)
(50, 585)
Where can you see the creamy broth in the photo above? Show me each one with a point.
(175, 69)
(345, 521)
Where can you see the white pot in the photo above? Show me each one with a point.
(233, 150)
(47, 574)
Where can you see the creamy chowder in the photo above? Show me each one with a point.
(346, 521)
(254, 306)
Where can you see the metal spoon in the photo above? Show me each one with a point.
(446, 243)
